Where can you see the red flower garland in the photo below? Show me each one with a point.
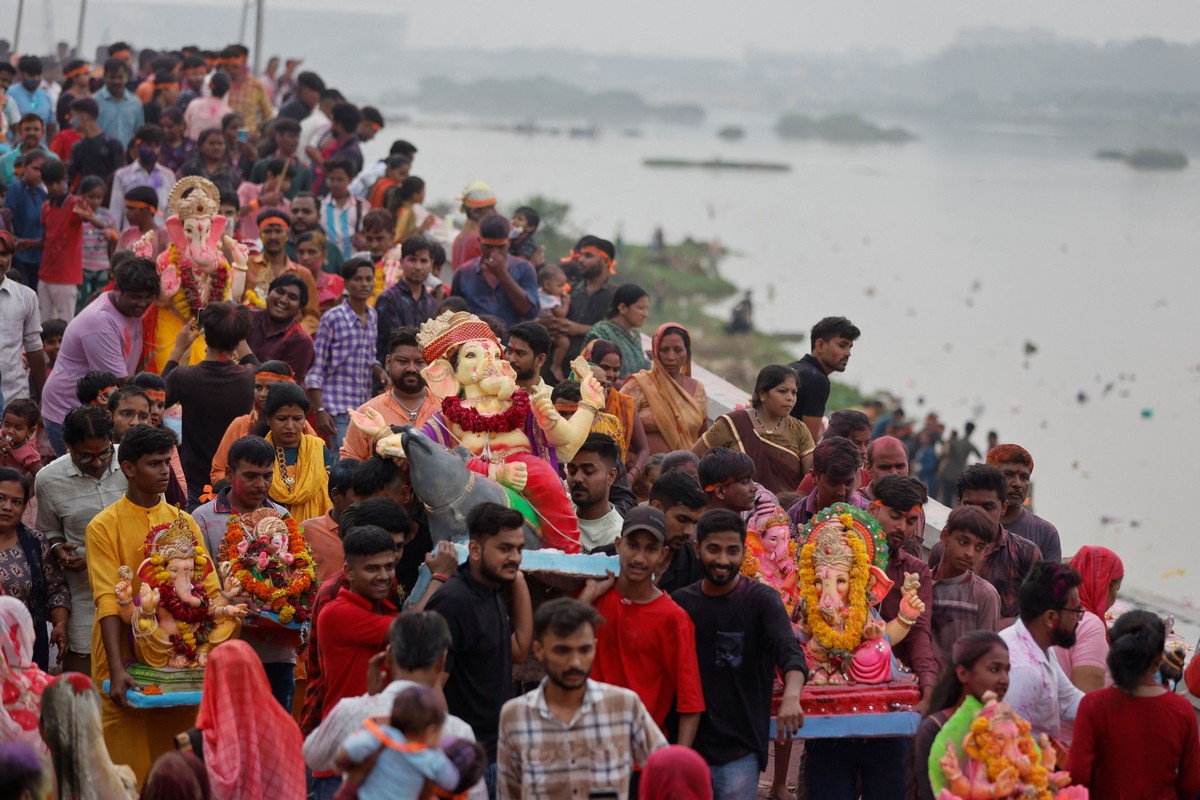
(192, 615)
(191, 288)
(472, 421)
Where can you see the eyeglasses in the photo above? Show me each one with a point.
(94, 458)
(1077, 611)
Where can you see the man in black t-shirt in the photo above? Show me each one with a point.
(832, 340)
(742, 636)
(680, 498)
(485, 640)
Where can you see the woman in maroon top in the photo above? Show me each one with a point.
(1136, 738)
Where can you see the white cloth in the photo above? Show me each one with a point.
(1038, 690)
(595, 533)
(312, 130)
(20, 332)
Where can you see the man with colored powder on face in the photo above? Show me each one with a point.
(30, 130)
(887, 455)
(1016, 465)
(121, 113)
(836, 463)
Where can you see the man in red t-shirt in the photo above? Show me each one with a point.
(647, 643)
(62, 255)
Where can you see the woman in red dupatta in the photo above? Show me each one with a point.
(252, 748)
(671, 404)
(1086, 663)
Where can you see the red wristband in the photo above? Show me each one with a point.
(437, 576)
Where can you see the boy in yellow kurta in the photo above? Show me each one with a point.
(115, 538)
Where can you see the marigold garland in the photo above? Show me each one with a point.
(289, 597)
(850, 637)
(472, 421)
(194, 622)
(981, 746)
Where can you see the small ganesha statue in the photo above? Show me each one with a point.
(264, 556)
(842, 560)
(771, 555)
(176, 618)
(1001, 758)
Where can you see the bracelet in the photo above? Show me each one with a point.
(586, 405)
(437, 576)
(905, 621)
(128, 602)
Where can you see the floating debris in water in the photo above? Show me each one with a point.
(1174, 573)
(1081, 397)
(1147, 413)
(869, 291)
(976, 285)
(1030, 348)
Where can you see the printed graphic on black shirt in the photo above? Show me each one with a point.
(730, 648)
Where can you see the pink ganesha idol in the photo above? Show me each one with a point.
(842, 580)
(999, 758)
(771, 555)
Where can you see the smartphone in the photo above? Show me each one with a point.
(243, 135)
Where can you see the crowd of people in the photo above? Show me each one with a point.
(660, 681)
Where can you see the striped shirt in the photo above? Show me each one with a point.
(342, 222)
(344, 353)
(540, 756)
(960, 605)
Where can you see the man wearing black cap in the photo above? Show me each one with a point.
(647, 643)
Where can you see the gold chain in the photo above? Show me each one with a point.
(287, 479)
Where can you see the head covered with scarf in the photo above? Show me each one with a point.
(71, 722)
(675, 773)
(22, 682)
(252, 747)
(1099, 567)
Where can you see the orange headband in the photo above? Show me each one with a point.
(167, 85)
(596, 251)
(140, 204)
(493, 242)
(563, 405)
(101, 393)
(157, 395)
(375, 126)
(280, 221)
(480, 203)
(121, 54)
(78, 71)
(196, 71)
(273, 377)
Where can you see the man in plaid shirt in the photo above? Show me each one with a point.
(344, 354)
(571, 737)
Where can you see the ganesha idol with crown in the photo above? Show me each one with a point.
(985, 751)
(175, 619)
(194, 269)
(843, 556)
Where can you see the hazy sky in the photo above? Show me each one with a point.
(696, 27)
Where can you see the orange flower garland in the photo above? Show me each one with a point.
(290, 598)
(982, 746)
(850, 637)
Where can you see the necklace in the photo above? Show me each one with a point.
(764, 427)
(412, 413)
(288, 480)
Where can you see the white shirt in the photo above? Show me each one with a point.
(360, 187)
(312, 130)
(321, 746)
(595, 533)
(20, 331)
(1038, 690)
(130, 176)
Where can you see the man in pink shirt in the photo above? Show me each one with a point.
(107, 335)
(206, 112)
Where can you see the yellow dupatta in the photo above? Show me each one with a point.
(678, 415)
(308, 497)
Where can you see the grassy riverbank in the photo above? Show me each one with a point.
(684, 281)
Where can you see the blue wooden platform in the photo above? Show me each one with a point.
(164, 700)
(866, 726)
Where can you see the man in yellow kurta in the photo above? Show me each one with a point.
(115, 538)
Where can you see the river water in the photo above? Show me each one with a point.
(949, 253)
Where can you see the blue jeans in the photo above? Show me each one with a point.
(737, 780)
(54, 434)
(833, 768)
(282, 678)
(342, 423)
(489, 779)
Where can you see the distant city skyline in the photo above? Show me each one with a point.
(668, 28)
